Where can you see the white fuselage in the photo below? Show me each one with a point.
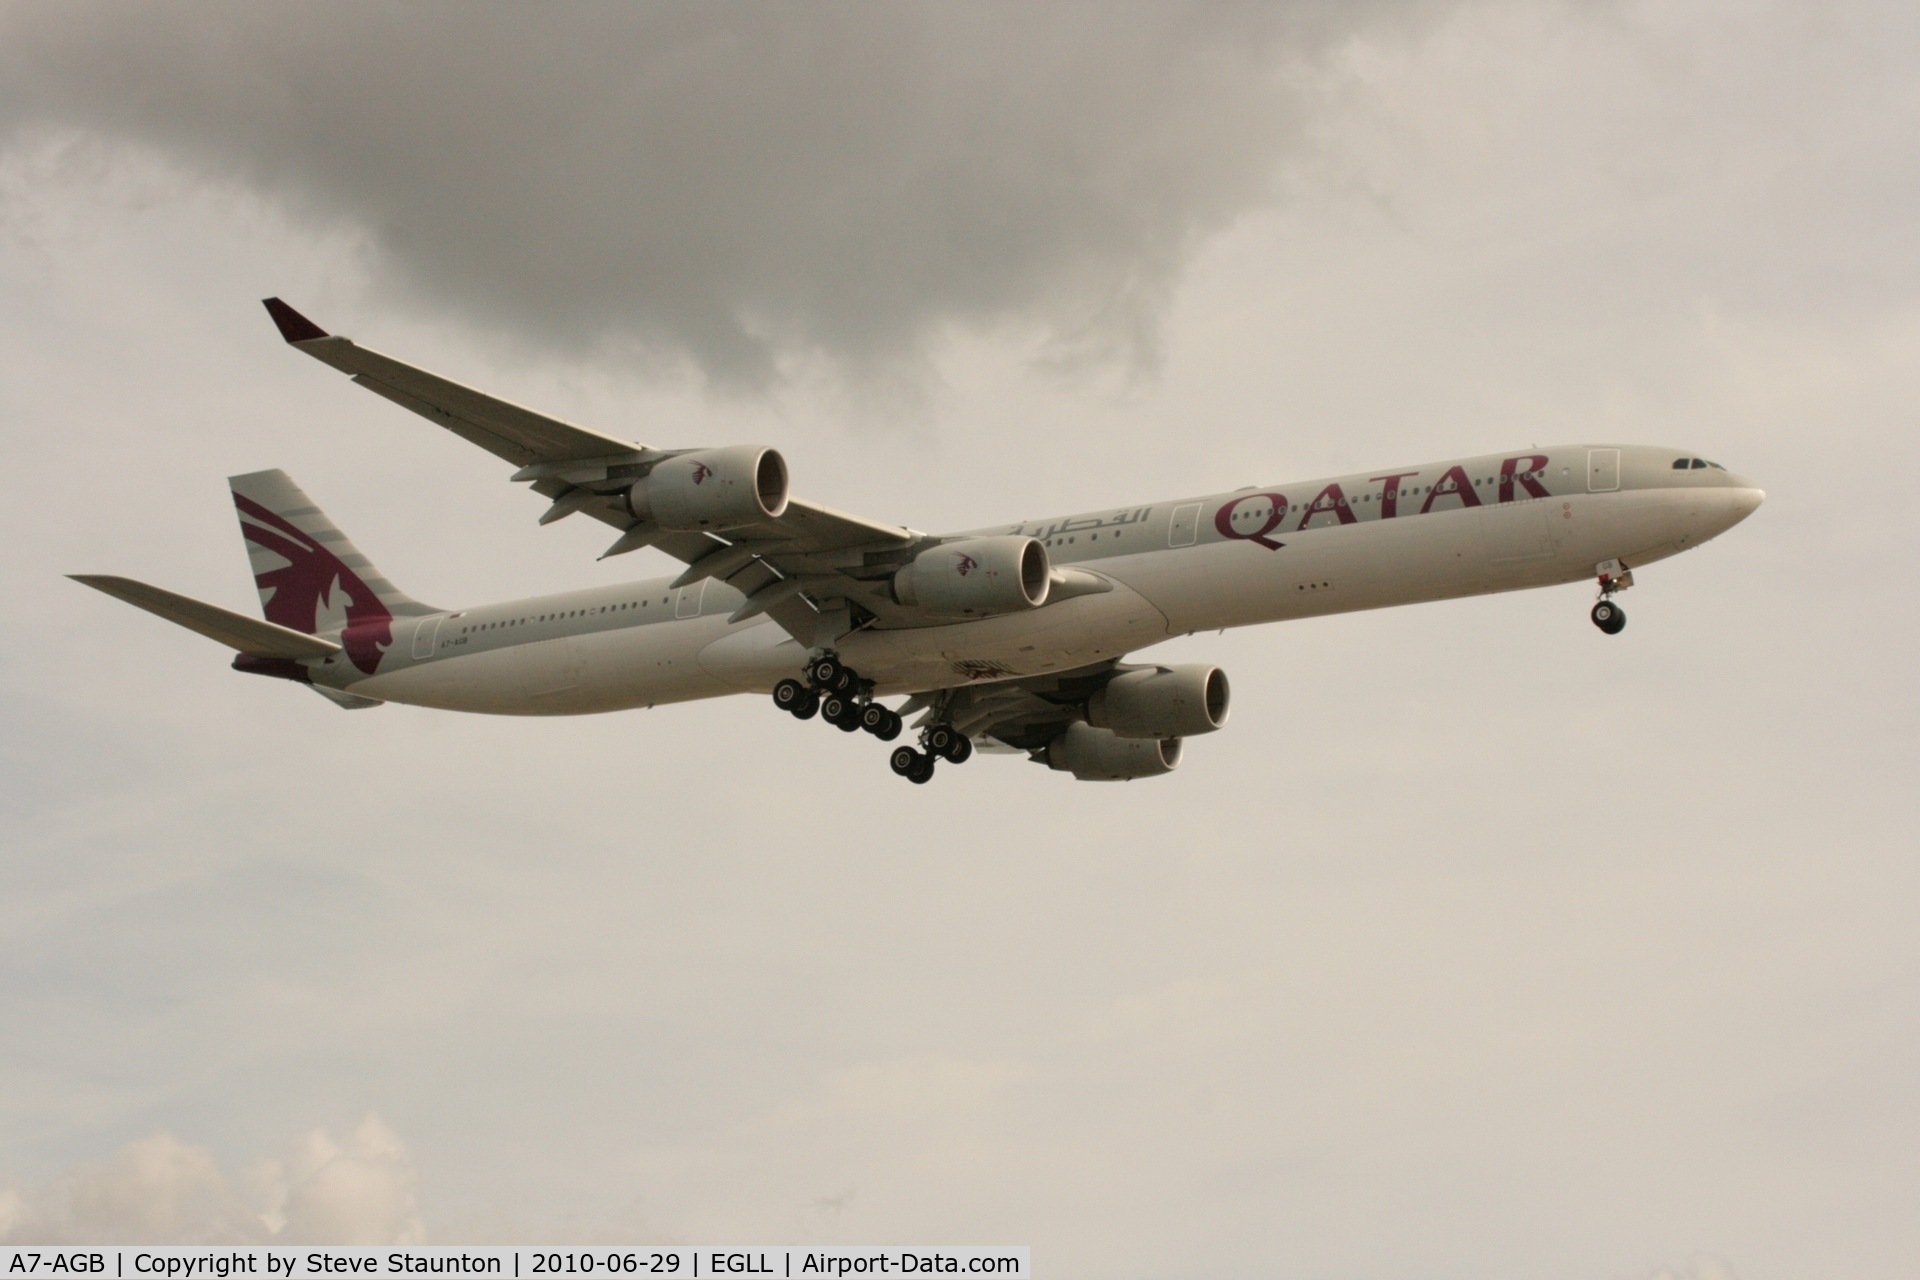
(1506, 522)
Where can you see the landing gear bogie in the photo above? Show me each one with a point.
(914, 766)
(830, 675)
(948, 743)
(880, 721)
(840, 711)
(836, 693)
(796, 699)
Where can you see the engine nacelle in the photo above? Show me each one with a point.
(975, 577)
(1100, 755)
(714, 489)
(1162, 702)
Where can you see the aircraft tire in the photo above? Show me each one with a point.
(839, 711)
(923, 773)
(790, 695)
(823, 673)
(961, 749)
(904, 761)
(808, 708)
(1609, 617)
(939, 739)
(892, 728)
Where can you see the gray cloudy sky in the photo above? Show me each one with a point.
(1479, 944)
(738, 185)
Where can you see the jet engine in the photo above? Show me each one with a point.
(1162, 702)
(975, 577)
(1100, 755)
(713, 489)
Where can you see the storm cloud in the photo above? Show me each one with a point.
(741, 186)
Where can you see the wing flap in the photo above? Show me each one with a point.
(254, 636)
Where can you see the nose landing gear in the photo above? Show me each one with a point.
(1607, 615)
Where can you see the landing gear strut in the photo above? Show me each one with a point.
(941, 742)
(1607, 615)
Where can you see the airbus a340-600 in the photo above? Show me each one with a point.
(1011, 638)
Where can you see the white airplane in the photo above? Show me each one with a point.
(1012, 637)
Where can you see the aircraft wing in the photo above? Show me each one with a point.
(792, 567)
(1018, 715)
(502, 428)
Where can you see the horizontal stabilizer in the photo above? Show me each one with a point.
(260, 638)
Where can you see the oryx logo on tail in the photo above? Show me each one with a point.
(314, 590)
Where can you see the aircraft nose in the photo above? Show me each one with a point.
(1732, 505)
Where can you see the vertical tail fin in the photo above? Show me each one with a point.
(311, 578)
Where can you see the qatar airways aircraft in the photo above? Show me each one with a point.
(1012, 637)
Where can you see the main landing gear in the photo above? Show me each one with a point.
(836, 693)
(1607, 615)
(941, 742)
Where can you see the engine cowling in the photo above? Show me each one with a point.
(715, 489)
(1100, 755)
(1162, 702)
(975, 577)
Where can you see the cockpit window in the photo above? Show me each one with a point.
(1699, 464)
(1716, 466)
(1681, 464)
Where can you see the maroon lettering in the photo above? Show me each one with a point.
(1329, 499)
(1390, 499)
(1535, 462)
(1454, 482)
(1277, 513)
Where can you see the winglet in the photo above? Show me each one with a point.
(294, 327)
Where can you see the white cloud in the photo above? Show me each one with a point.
(160, 1190)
